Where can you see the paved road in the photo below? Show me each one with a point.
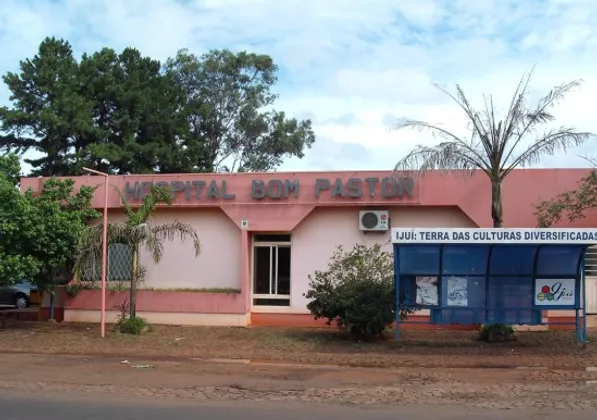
(19, 407)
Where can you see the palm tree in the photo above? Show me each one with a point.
(496, 146)
(136, 232)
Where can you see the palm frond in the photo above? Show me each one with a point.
(548, 144)
(591, 160)
(479, 129)
(156, 195)
(526, 120)
(154, 245)
(446, 157)
(86, 253)
(177, 229)
(127, 206)
(494, 141)
(436, 157)
(89, 250)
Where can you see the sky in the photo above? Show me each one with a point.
(353, 67)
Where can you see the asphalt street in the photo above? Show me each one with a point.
(25, 407)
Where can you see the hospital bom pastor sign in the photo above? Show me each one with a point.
(278, 189)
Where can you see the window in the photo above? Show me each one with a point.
(271, 238)
(271, 270)
(591, 261)
(120, 265)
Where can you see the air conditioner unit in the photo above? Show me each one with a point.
(374, 220)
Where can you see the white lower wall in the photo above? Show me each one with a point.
(162, 318)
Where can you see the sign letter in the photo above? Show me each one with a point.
(257, 189)
(291, 186)
(321, 184)
(275, 188)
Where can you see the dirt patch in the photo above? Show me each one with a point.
(105, 377)
(439, 348)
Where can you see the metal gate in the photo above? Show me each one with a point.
(591, 279)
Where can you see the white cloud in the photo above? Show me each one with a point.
(350, 65)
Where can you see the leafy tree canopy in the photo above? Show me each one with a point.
(570, 204)
(125, 113)
(232, 125)
(39, 231)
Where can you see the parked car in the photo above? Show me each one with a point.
(19, 295)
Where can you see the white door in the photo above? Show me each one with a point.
(271, 273)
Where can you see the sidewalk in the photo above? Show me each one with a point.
(442, 348)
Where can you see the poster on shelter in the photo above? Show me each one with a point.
(427, 293)
(555, 292)
(457, 291)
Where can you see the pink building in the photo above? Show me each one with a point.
(262, 234)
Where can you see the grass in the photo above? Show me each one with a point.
(124, 287)
(313, 346)
(191, 290)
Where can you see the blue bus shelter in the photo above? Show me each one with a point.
(491, 276)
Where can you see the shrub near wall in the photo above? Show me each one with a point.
(356, 291)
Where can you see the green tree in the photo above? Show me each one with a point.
(117, 113)
(570, 204)
(496, 146)
(136, 232)
(135, 109)
(40, 231)
(231, 125)
(16, 263)
(49, 112)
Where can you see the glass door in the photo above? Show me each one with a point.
(271, 274)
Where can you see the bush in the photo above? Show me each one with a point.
(356, 291)
(72, 288)
(494, 333)
(133, 325)
(130, 325)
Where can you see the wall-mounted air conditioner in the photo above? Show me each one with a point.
(374, 220)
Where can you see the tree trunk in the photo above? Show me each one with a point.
(134, 276)
(497, 210)
(40, 308)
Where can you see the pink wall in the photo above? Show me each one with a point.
(164, 301)
(318, 224)
(218, 264)
(316, 238)
(179, 268)
(522, 189)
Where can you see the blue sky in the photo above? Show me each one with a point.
(352, 66)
